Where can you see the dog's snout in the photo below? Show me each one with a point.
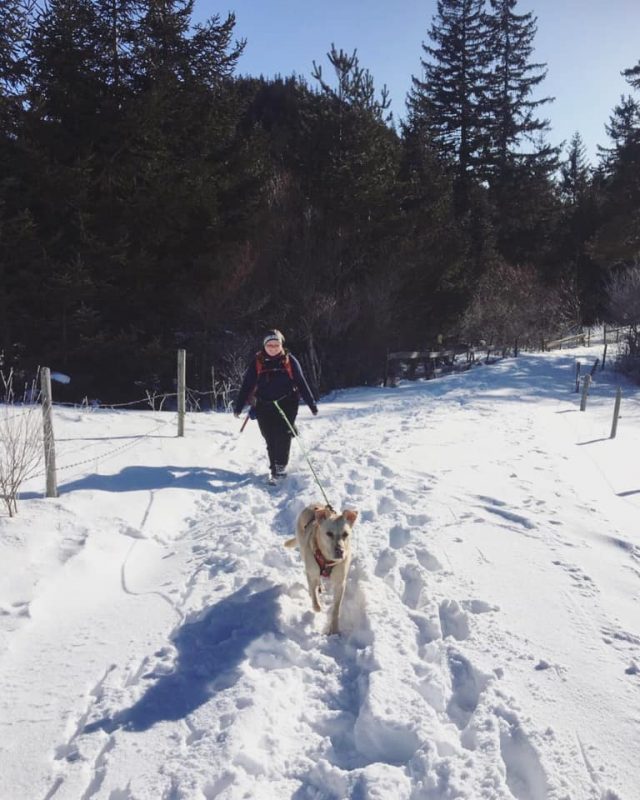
(339, 551)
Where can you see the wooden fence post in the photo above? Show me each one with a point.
(586, 382)
(578, 367)
(604, 355)
(616, 414)
(48, 438)
(182, 384)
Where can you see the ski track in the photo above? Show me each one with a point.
(242, 619)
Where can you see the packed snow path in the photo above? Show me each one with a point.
(158, 643)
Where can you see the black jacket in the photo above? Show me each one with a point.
(274, 382)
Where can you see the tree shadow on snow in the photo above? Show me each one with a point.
(210, 651)
(134, 479)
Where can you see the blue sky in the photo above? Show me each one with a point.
(585, 44)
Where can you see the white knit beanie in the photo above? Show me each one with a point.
(273, 336)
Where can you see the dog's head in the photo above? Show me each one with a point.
(333, 532)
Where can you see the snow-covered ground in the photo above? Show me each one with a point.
(157, 640)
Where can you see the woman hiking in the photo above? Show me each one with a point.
(274, 375)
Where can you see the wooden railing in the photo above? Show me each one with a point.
(438, 362)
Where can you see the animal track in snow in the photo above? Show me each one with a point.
(582, 581)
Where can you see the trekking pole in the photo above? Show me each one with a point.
(246, 419)
(297, 436)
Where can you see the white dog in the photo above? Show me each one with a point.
(324, 539)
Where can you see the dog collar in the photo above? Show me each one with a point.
(325, 566)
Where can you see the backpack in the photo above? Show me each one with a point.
(261, 368)
(251, 400)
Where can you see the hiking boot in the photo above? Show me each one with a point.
(280, 471)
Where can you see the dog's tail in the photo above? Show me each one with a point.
(291, 542)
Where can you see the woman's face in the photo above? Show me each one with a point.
(273, 347)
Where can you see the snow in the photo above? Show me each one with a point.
(157, 640)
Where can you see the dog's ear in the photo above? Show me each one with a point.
(321, 513)
(350, 516)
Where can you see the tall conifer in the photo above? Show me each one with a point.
(449, 98)
(510, 108)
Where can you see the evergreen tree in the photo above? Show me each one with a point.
(118, 22)
(510, 109)
(436, 250)
(450, 97)
(622, 129)
(633, 76)
(18, 243)
(14, 21)
(617, 244)
(578, 223)
(575, 172)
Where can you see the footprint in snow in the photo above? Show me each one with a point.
(428, 560)
(466, 687)
(413, 585)
(386, 505)
(525, 775)
(478, 606)
(453, 620)
(401, 496)
(399, 537)
(386, 562)
(418, 520)
(18, 609)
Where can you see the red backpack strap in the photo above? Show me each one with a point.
(289, 367)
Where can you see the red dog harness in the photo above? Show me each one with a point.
(325, 566)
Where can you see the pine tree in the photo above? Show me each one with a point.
(623, 130)
(617, 243)
(14, 27)
(450, 97)
(18, 245)
(575, 172)
(509, 111)
(633, 76)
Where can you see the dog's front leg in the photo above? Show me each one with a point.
(314, 586)
(337, 603)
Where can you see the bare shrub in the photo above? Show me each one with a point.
(624, 297)
(624, 309)
(228, 375)
(20, 450)
(511, 303)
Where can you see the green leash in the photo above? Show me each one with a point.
(297, 436)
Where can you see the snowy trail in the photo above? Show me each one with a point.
(490, 623)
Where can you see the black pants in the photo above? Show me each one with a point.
(275, 430)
